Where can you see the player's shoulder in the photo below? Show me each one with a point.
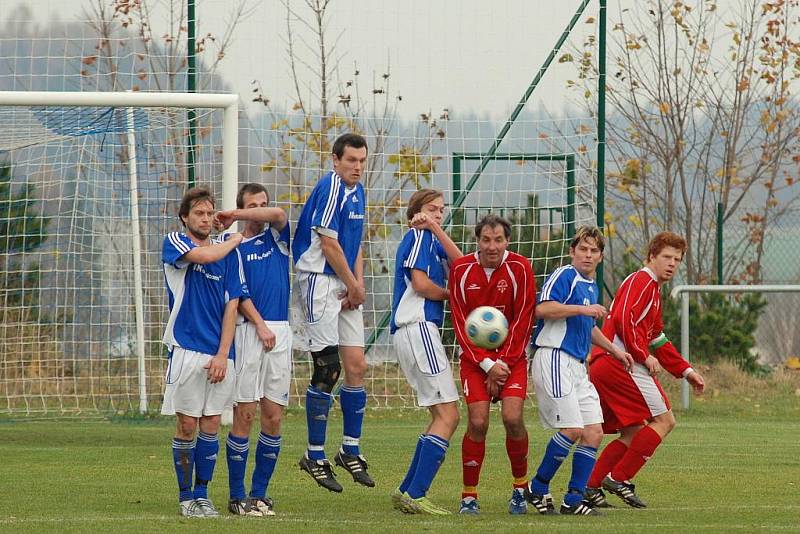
(519, 260)
(465, 260)
(565, 273)
(177, 240)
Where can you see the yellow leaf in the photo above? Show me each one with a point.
(664, 107)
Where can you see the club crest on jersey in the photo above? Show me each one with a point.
(502, 285)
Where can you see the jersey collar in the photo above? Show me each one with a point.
(651, 273)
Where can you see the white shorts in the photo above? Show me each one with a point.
(317, 316)
(188, 390)
(261, 374)
(566, 397)
(424, 362)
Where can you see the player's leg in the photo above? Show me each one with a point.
(183, 446)
(473, 447)
(517, 450)
(353, 396)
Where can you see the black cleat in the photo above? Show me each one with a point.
(582, 508)
(596, 498)
(542, 503)
(322, 473)
(356, 465)
(623, 490)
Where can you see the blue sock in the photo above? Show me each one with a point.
(318, 404)
(267, 451)
(556, 452)
(183, 458)
(583, 459)
(413, 467)
(354, 402)
(205, 458)
(236, 450)
(430, 459)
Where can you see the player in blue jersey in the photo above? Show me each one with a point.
(263, 346)
(420, 291)
(568, 402)
(204, 284)
(328, 294)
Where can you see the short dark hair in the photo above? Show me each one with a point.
(191, 198)
(345, 140)
(589, 232)
(249, 189)
(492, 221)
(419, 199)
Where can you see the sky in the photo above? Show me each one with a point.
(467, 56)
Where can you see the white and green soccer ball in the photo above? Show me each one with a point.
(486, 327)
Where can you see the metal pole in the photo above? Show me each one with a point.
(191, 86)
(685, 346)
(601, 133)
(720, 213)
(137, 263)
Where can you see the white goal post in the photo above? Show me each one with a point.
(683, 292)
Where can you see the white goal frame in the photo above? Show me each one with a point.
(229, 103)
(684, 290)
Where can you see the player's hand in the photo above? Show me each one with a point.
(625, 358)
(498, 373)
(595, 311)
(223, 220)
(697, 382)
(356, 295)
(235, 238)
(266, 336)
(421, 221)
(653, 367)
(493, 389)
(217, 367)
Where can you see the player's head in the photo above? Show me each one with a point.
(427, 201)
(586, 250)
(493, 233)
(252, 195)
(664, 253)
(196, 212)
(349, 154)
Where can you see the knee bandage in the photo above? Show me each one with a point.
(327, 368)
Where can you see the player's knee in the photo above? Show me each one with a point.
(186, 427)
(514, 423)
(573, 434)
(327, 368)
(592, 435)
(478, 426)
(356, 370)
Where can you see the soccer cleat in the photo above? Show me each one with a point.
(469, 505)
(596, 498)
(397, 499)
(244, 507)
(422, 505)
(264, 505)
(582, 508)
(207, 508)
(624, 490)
(543, 503)
(518, 504)
(189, 508)
(356, 465)
(322, 473)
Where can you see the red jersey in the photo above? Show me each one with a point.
(510, 288)
(634, 323)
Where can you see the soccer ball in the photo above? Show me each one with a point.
(486, 327)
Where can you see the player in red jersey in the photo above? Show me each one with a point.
(494, 276)
(634, 404)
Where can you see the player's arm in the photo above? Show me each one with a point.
(218, 364)
(425, 287)
(519, 331)
(214, 252)
(276, 217)
(600, 340)
(458, 305)
(249, 311)
(675, 364)
(334, 255)
(552, 310)
(423, 222)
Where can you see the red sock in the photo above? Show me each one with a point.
(610, 456)
(642, 447)
(517, 450)
(472, 453)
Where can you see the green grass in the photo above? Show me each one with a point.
(716, 472)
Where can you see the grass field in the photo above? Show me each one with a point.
(721, 470)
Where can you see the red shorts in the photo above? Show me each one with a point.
(473, 380)
(627, 399)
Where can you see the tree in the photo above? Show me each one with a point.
(702, 109)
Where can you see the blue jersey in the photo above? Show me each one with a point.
(335, 211)
(265, 259)
(198, 295)
(419, 249)
(573, 335)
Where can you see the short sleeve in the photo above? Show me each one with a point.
(557, 286)
(176, 245)
(325, 218)
(419, 257)
(235, 284)
(281, 238)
